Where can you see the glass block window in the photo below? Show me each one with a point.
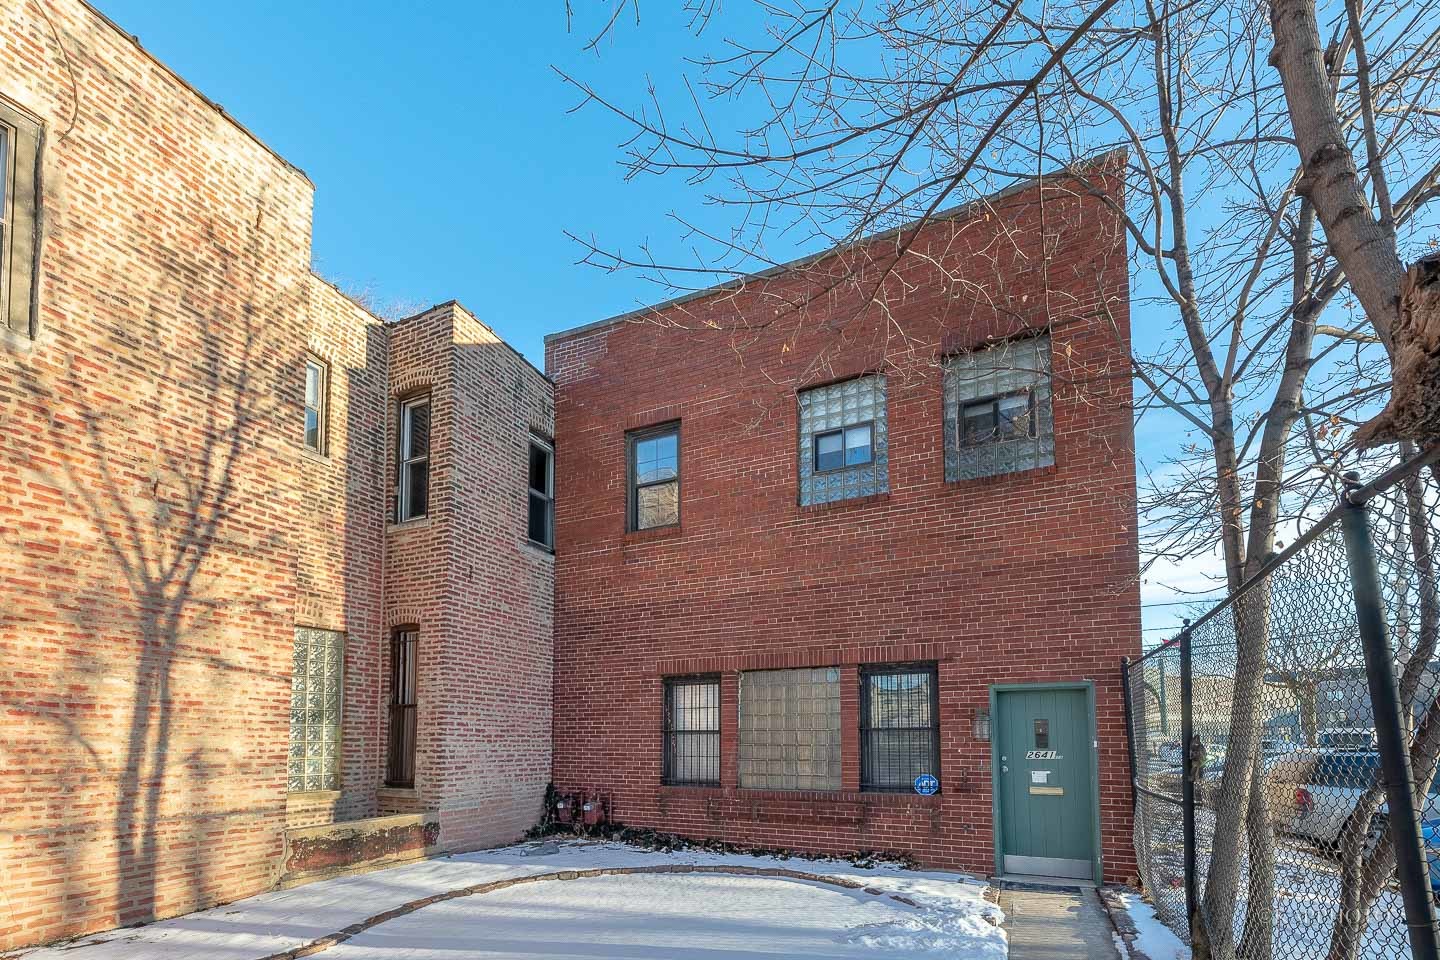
(899, 726)
(315, 710)
(790, 729)
(997, 410)
(654, 483)
(843, 447)
(692, 731)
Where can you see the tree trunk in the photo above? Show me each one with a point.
(1257, 938)
(1362, 244)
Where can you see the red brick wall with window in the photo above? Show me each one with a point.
(1023, 577)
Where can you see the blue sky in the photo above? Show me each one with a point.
(445, 160)
(448, 162)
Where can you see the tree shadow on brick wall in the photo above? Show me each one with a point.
(136, 463)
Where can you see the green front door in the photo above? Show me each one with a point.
(1044, 739)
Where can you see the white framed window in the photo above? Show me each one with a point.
(412, 486)
(317, 392)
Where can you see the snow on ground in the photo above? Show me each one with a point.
(1307, 890)
(717, 916)
(1152, 937)
(658, 915)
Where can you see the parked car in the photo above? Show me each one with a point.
(1346, 738)
(1430, 831)
(1312, 792)
(1170, 753)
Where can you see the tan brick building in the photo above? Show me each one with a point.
(205, 581)
(279, 587)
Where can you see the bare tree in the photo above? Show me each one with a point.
(864, 119)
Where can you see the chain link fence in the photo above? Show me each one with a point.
(1256, 733)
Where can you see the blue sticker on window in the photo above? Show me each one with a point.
(926, 784)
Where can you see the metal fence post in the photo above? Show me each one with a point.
(1389, 728)
(1129, 723)
(1187, 781)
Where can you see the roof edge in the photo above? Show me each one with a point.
(1095, 161)
(453, 304)
(135, 41)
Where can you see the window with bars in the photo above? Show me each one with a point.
(692, 731)
(790, 729)
(315, 710)
(998, 410)
(654, 482)
(317, 388)
(400, 757)
(412, 487)
(899, 726)
(843, 441)
(19, 217)
(541, 521)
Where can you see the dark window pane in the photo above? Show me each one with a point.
(692, 732)
(539, 526)
(830, 451)
(857, 445)
(1042, 734)
(418, 502)
(900, 700)
(657, 505)
(1014, 417)
(978, 423)
(899, 729)
(539, 468)
(312, 429)
(400, 760)
(419, 432)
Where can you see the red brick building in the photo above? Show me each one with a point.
(287, 589)
(235, 653)
(803, 550)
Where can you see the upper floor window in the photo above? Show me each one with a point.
(317, 668)
(317, 388)
(843, 447)
(997, 410)
(654, 486)
(19, 212)
(542, 492)
(412, 487)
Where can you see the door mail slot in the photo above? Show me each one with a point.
(1047, 791)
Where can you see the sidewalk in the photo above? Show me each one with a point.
(1055, 923)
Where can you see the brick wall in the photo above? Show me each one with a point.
(1023, 577)
(339, 532)
(467, 576)
(150, 458)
